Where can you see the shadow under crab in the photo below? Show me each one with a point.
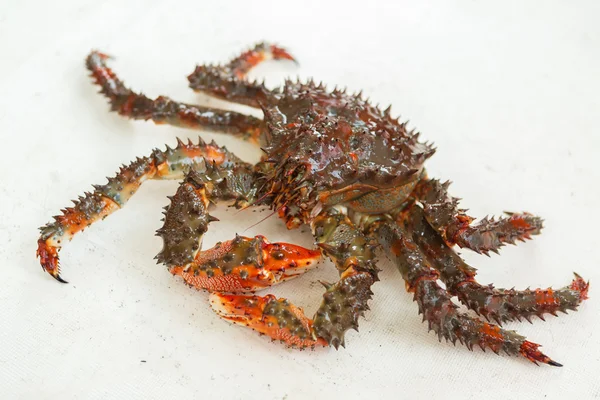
(334, 162)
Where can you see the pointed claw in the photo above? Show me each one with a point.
(554, 363)
(48, 255)
(58, 278)
(246, 264)
(280, 53)
(581, 286)
(530, 351)
(288, 259)
(276, 318)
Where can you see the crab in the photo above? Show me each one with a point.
(333, 161)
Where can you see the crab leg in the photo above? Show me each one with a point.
(245, 265)
(343, 302)
(454, 225)
(239, 265)
(242, 264)
(497, 304)
(163, 110)
(440, 312)
(228, 81)
(107, 198)
(249, 59)
(354, 256)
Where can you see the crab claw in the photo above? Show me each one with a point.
(530, 351)
(581, 286)
(49, 259)
(276, 318)
(246, 264)
(287, 260)
(280, 53)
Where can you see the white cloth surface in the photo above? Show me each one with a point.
(508, 92)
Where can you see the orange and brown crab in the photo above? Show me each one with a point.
(332, 161)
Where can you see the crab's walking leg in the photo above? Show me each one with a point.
(440, 312)
(239, 265)
(236, 265)
(454, 225)
(163, 110)
(343, 302)
(354, 256)
(497, 304)
(228, 81)
(107, 198)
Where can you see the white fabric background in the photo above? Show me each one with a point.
(509, 94)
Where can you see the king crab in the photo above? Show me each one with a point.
(334, 162)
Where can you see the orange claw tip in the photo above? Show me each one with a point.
(280, 53)
(530, 351)
(49, 259)
(581, 286)
(275, 318)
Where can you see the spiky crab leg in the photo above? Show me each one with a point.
(186, 218)
(438, 309)
(228, 81)
(454, 225)
(343, 302)
(249, 59)
(499, 305)
(245, 265)
(239, 265)
(107, 198)
(354, 256)
(163, 110)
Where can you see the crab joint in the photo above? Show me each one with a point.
(276, 318)
(246, 264)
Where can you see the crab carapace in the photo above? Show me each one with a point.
(331, 161)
